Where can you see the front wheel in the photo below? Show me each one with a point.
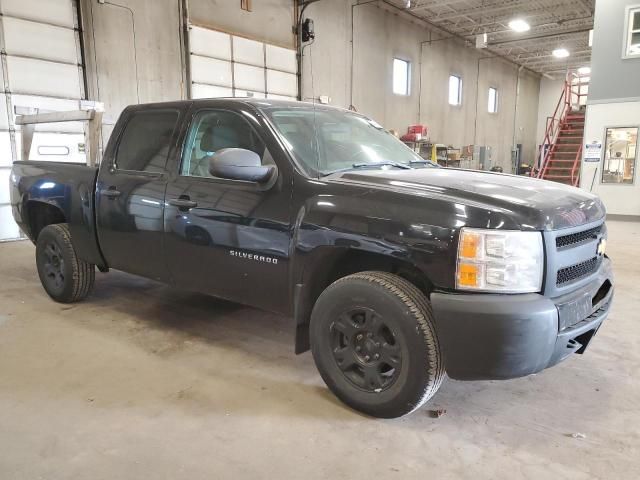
(374, 343)
(64, 276)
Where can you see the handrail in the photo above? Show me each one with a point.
(554, 123)
(553, 128)
(576, 164)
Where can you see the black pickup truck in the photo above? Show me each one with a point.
(394, 270)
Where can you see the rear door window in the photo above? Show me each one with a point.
(146, 141)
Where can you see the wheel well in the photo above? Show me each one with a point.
(42, 214)
(340, 263)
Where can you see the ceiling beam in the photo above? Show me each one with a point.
(428, 6)
(545, 35)
(486, 10)
(550, 60)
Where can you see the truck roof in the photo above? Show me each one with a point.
(255, 102)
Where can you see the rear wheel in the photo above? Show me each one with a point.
(373, 341)
(64, 276)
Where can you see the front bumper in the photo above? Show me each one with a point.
(493, 336)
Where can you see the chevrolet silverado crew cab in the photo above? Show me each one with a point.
(394, 270)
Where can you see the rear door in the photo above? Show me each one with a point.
(223, 237)
(131, 186)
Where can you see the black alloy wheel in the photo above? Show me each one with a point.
(365, 349)
(374, 342)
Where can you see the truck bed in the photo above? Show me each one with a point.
(64, 190)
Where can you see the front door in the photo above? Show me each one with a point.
(223, 237)
(131, 188)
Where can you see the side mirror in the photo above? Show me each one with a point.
(239, 164)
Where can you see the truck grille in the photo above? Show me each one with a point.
(572, 256)
(577, 271)
(578, 237)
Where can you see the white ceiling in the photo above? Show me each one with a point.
(554, 24)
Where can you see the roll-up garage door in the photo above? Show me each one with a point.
(41, 69)
(225, 65)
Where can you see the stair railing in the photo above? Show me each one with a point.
(552, 130)
(575, 171)
(572, 93)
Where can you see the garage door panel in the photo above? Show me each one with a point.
(54, 147)
(4, 117)
(32, 39)
(8, 228)
(274, 96)
(4, 180)
(26, 74)
(5, 152)
(248, 94)
(248, 51)
(279, 58)
(57, 12)
(210, 71)
(258, 68)
(281, 83)
(210, 91)
(247, 77)
(43, 71)
(210, 43)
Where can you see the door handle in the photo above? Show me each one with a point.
(110, 192)
(183, 203)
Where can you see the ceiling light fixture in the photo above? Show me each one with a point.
(561, 53)
(584, 70)
(519, 25)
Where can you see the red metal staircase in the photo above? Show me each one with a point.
(561, 150)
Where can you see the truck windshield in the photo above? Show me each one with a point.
(326, 140)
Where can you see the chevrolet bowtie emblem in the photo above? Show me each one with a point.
(602, 246)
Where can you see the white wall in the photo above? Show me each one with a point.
(620, 199)
(550, 91)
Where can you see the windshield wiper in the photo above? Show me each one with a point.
(357, 166)
(423, 162)
(381, 164)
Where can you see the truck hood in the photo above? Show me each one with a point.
(531, 203)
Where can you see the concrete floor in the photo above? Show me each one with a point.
(143, 382)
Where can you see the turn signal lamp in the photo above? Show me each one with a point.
(499, 261)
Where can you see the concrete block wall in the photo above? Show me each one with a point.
(379, 35)
(135, 53)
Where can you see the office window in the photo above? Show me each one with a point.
(632, 29)
(146, 141)
(493, 100)
(455, 90)
(401, 76)
(620, 155)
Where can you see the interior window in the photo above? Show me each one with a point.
(146, 141)
(213, 131)
(620, 155)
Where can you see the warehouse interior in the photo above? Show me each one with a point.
(143, 380)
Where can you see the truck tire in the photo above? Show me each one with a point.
(374, 343)
(63, 275)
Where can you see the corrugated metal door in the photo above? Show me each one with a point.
(225, 65)
(41, 68)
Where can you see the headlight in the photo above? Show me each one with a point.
(499, 261)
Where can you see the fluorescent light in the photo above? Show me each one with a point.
(561, 53)
(519, 25)
(584, 70)
(591, 38)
